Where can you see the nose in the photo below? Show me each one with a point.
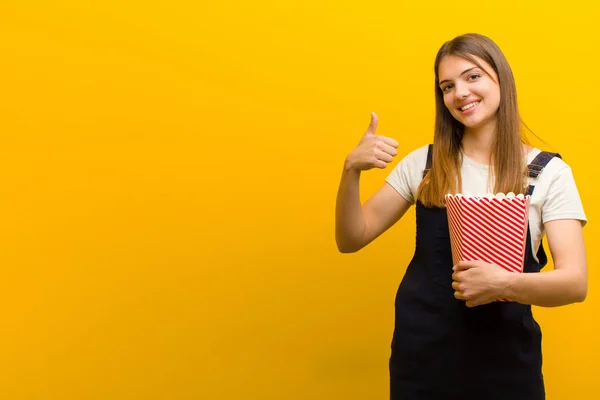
(461, 91)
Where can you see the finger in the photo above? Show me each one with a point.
(458, 295)
(374, 122)
(379, 164)
(389, 141)
(456, 286)
(391, 150)
(383, 156)
(464, 265)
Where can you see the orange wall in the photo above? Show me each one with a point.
(168, 180)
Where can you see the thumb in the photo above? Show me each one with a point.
(373, 125)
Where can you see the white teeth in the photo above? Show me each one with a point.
(469, 106)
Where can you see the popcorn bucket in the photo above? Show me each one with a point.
(489, 228)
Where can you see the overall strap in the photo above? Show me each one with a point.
(429, 157)
(535, 168)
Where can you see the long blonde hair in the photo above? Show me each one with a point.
(508, 163)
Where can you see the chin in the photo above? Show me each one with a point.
(467, 124)
(472, 124)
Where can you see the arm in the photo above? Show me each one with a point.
(357, 225)
(567, 283)
(478, 282)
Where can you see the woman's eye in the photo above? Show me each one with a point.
(446, 88)
(474, 76)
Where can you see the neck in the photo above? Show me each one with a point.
(477, 143)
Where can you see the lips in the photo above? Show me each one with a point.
(469, 105)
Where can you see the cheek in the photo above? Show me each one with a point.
(446, 102)
(498, 97)
(495, 97)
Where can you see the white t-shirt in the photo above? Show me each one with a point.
(555, 195)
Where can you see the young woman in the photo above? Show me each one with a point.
(452, 339)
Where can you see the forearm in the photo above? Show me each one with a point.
(350, 222)
(547, 289)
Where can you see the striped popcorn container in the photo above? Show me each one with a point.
(490, 228)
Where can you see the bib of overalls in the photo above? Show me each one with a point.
(442, 349)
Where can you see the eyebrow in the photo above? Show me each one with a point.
(464, 72)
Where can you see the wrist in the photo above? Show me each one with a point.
(349, 166)
(509, 285)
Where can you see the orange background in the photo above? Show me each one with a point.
(168, 181)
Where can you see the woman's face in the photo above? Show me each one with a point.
(471, 95)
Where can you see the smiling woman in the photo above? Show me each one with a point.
(464, 92)
(452, 338)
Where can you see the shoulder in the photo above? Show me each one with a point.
(555, 190)
(413, 161)
(550, 163)
(417, 157)
(408, 173)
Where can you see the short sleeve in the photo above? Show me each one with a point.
(407, 174)
(563, 200)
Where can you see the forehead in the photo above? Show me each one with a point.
(452, 66)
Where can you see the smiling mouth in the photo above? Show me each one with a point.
(469, 106)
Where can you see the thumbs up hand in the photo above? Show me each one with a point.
(373, 151)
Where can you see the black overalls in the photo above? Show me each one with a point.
(441, 349)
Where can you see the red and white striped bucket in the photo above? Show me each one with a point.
(489, 228)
